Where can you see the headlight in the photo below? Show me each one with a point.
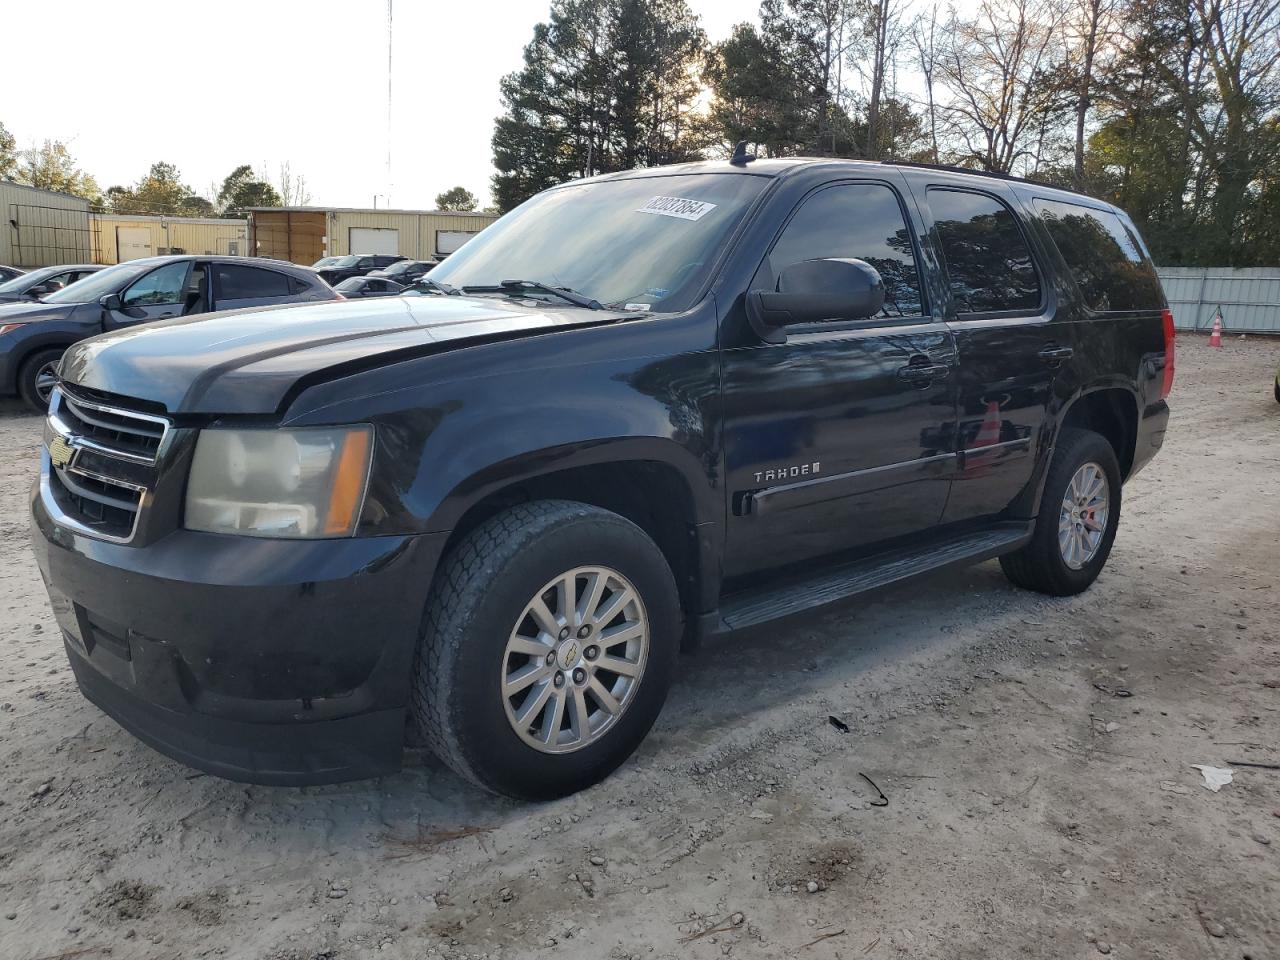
(279, 483)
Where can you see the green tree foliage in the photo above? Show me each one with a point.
(457, 198)
(161, 192)
(50, 166)
(606, 85)
(8, 154)
(242, 189)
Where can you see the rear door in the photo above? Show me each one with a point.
(1009, 343)
(236, 285)
(840, 436)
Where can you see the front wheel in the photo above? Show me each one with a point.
(38, 376)
(549, 642)
(1079, 513)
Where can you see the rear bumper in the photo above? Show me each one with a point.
(265, 661)
(1152, 425)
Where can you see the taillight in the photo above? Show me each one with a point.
(339, 295)
(1167, 385)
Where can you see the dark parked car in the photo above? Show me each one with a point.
(325, 262)
(405, 272)
(639, 410)
(33, 336)
(354, 266)
(370, 286)
(8, 273)
(44, 281)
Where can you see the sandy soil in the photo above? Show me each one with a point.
(1032, 811)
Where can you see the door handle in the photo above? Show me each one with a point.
(1055, 355)
(923, 372)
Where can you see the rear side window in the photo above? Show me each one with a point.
(1103, 255)
(234, 282)
(863, 221)
(989, 267)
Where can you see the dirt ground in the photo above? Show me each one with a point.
(1034, 810)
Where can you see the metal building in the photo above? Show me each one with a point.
(117, 237)
(42, 228)
(305, 234)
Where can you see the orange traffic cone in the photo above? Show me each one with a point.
(1215, 336)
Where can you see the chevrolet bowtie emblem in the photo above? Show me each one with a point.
(60, 452)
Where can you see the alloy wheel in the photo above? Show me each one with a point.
(1082, 520)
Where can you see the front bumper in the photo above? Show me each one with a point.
(266, 661)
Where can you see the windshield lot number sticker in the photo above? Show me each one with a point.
(678, 208)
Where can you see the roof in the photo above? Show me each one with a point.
(778, 166)
(158, 217)
(222, 258)
(425, 213)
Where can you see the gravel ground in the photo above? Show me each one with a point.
(1032, 809)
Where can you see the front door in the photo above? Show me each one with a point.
(842, 435)
(153, 296)
(1008, 342)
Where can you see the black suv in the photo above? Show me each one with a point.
(33, 336)
(640, 410)
(344, 268)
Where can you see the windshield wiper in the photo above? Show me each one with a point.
(447, 289)
(536, 286)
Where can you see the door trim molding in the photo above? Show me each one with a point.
(773, 498)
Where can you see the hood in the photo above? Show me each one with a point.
(25, 311)
(246, 361)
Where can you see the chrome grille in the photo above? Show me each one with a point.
(99, 468)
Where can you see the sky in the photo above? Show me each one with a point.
(209, 87)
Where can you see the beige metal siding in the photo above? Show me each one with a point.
(39, 228)
(170, 234)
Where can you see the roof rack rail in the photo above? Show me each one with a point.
(993, 174)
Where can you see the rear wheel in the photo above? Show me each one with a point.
(1079, 513)
(38, 376)
(549, 643)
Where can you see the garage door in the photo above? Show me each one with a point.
(448, 241)
(366, 240)
(133, 243)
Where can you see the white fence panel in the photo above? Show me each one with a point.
(1249, 298)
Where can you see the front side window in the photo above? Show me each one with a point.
(234, 282)
(862, 221)
(1103, 255)
(647, 242)
(989, 267)
(164, 286)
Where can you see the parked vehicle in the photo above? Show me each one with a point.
(8, 273)
(354, 266)
(44, 281)
(405, 272)
(33, 336)
(640, 410)
(325, 262)
(371, 286)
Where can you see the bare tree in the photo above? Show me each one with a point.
(999, 69)
(292, 187)
(884, 30)
(924, 37)
(1090, 25)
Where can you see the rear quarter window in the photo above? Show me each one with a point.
(1104, 257)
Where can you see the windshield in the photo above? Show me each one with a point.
(351, 283)
(24, 280)
(400, 266)
(325, 262)
(98, 285)
(344, 261)
(644, 242)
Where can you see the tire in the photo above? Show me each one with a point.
(29, 377)
(481, 599)
(1043, 565)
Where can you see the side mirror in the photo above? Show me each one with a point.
(815, 290)
(111, 302)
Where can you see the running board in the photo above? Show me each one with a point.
(751, 608)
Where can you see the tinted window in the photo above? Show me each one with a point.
(1103, 255)
(989, 267)
(234, 282)
(858, 220)
(298, 285)
(164, 286)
